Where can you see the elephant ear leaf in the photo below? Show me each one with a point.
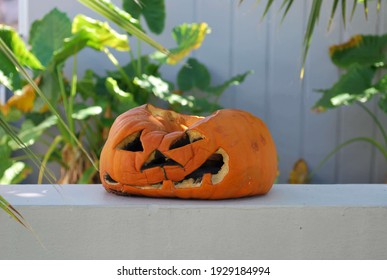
(47, 35)
(152, 10)
(100, 34)
(188, 37)
(365, 50)
(193, 75)
(11, 41)
(355, 85)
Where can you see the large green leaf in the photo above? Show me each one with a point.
(355, 85)
(91, 33)
(47, 35)
(49, 85)
(193, 75)
(72, 45)
(236, 80)
(87, 85)
(161, 89)
(11, 171)
(122, 96)
(14, 173)
(152, 10)
(9, 76)
(30, 133)
(188, 38)
(122, 19)
(100, 34)
(366, 50)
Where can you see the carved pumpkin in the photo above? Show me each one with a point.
(160, 153)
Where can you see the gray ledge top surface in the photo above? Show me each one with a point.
(281, 195)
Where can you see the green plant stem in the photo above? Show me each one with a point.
(73, 92)
(22, 158)
(376, 120)
(115, 62)
(139, 66)
(47, 156)
(63, 93)
(346, 143)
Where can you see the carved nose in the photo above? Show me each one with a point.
(157, 158)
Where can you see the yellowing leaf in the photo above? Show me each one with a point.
(99, 34)
(188, 37)
(299, 174)
(353, 42)
(23, 101)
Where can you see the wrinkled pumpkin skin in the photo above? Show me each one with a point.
(234, 145)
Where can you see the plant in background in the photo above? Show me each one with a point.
(314, 14)
(363, 58)
(72, 116)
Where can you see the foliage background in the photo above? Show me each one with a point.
(239, 41)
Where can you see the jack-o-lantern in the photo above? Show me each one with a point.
(160, 153)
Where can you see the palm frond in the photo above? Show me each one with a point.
(334, 7)
(354, 6)
(288, 6)
(11, 211)
(313, 18)
(268, 5)
(312, 21)
(365, 3)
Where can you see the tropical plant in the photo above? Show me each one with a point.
(363, 58)
(72, 115)
(314, 14)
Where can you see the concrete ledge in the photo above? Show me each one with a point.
(291, 222)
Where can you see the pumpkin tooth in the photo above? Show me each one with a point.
(110, 180)
(158, 159)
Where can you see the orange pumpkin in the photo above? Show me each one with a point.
(160, 153)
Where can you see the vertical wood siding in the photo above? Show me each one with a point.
(240, 41)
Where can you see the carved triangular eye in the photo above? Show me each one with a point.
(182, 141)
(188, 137)
(132, 143)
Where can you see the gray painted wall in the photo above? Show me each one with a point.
(307, 222)
(239, 42)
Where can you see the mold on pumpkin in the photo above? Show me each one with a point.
(161, 153)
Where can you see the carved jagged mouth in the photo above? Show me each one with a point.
(216, 165)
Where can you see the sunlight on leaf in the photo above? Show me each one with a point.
(188, 38)
(9, 76)
(299, 173)
(122, 19)
(101, 34)
(161, 90)
(125, 97)
(355, 85)
(11, 173)
(61, 123)
(87, 111)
